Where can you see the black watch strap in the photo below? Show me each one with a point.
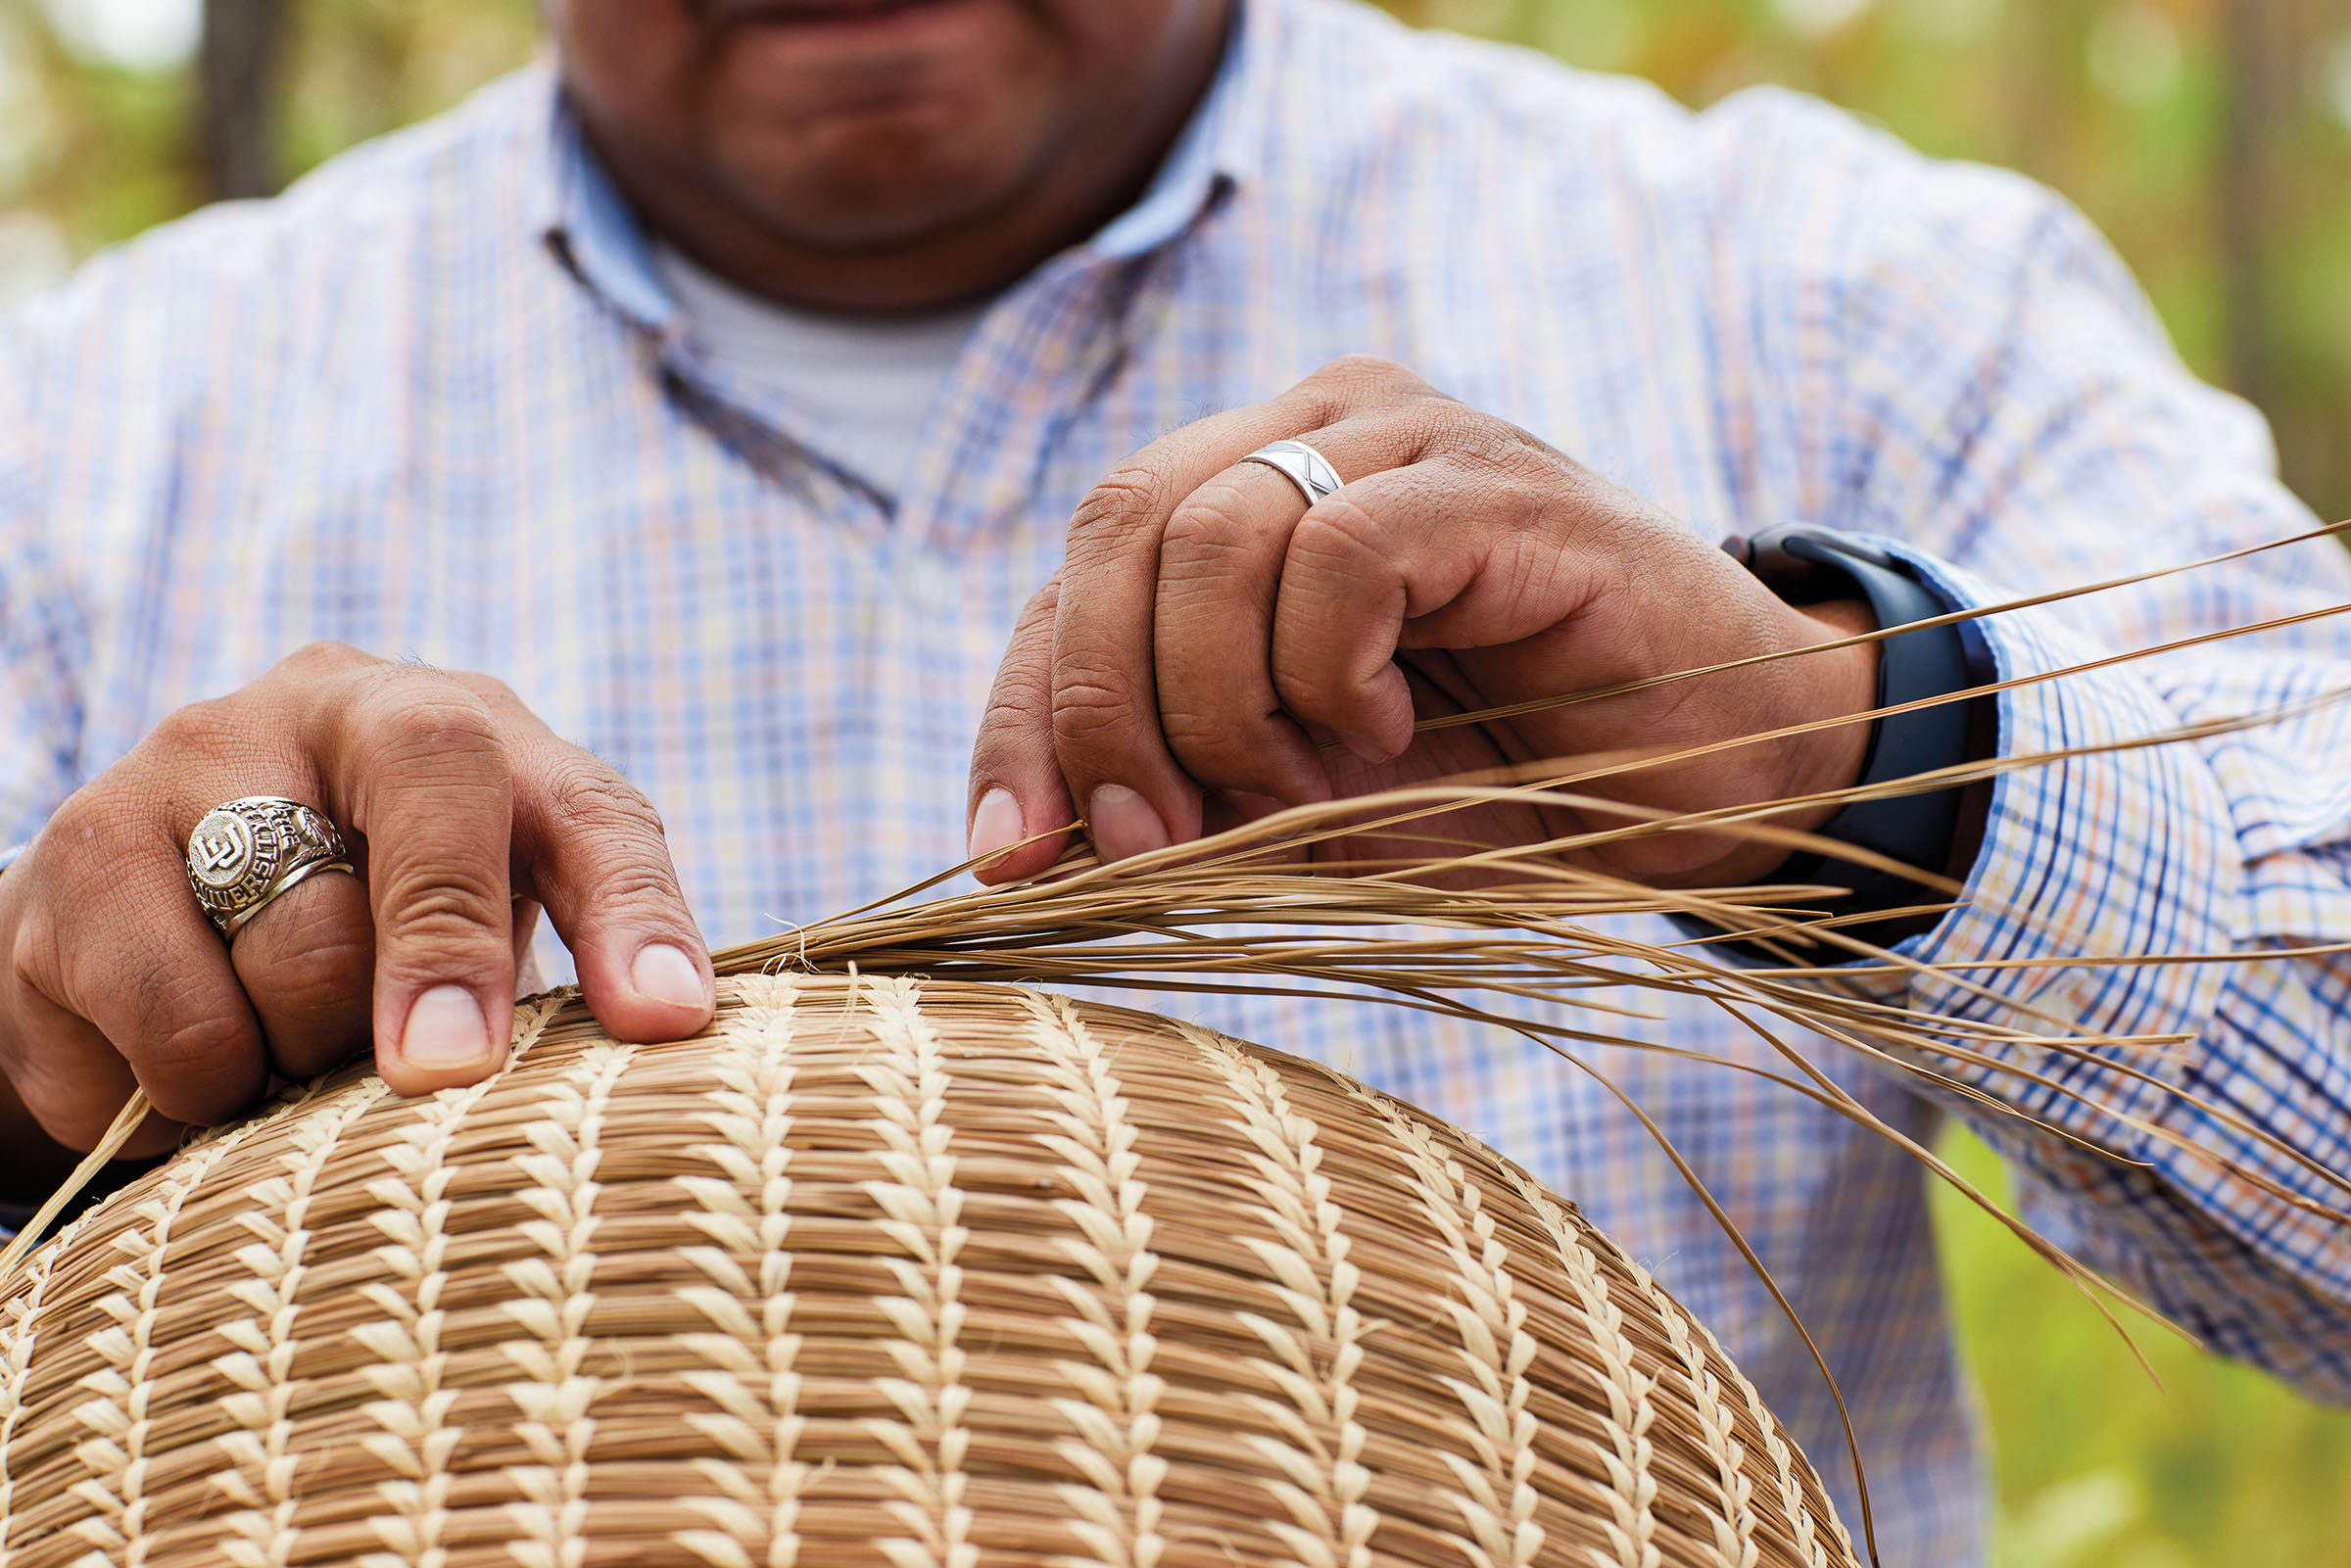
(1805, 565)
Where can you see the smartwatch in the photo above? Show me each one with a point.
(1807, 565)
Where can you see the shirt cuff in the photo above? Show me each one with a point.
(2119, 853)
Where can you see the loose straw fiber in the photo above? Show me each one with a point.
(876, 1271)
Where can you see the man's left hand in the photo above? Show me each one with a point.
(1209, 632)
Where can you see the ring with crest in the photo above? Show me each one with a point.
(246, 852)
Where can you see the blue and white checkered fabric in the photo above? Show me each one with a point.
(436, 404)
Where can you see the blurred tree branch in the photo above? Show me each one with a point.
(236, 70)
(2251, 100)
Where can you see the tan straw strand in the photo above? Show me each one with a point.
(118, 1133)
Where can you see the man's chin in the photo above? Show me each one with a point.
(882, 125)
(861, 233)
(815, 13)
(841, 54)
(851, 217)
(883, 180)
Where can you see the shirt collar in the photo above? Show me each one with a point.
(581, 216)
(584, 221)
(1209, 154)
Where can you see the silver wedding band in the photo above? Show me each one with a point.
(246, 852)
(1302, 466)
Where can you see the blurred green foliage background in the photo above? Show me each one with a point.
(2210, 138)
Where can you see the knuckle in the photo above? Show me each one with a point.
(1313, 681)
(1093, 702)
(1019, 705)
(199, 1067)
(32, 957)
(313, 960)
(1213, 746)
(315, 659)
(494, 694)
(193, 1046)
(443, 718)
(322, 977)
(84, 820)
(1127, 492)
(1357, 379)
(1531, 573)
(1436, 427)
(197, 731)
(58, 1111)
(1307, 689)
(1364, 367)
(448, 911)
(427, 727)
(1336, 531)
(83, 851)
(62, 1104)
(1042, 606)
(636, 887)
(1484, 453)
(1028, 654)
(580, 793)
(1214, 520)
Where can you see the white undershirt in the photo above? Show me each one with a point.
(870, 379)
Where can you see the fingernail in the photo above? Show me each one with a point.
(666, 974)
(1123, 823)
(446, 1029)
(995, 824)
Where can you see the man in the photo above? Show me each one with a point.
(719, 400)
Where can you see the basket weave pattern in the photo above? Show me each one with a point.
(875, 1272)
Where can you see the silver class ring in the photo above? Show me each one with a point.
(246, 852)
(1301, 466)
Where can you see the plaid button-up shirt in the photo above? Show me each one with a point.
(436, 403)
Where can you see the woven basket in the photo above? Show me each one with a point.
(928, 1276)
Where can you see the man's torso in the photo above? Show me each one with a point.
(382, 412)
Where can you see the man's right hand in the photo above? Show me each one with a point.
(465, 813)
